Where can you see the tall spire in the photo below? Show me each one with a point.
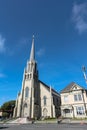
(32, 54)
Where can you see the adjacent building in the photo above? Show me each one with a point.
(74, 101)
(36, 99)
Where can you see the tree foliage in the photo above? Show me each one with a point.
(5, 114)
(7, 108)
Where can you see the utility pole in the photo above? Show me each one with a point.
(84, 73)
(85, 77)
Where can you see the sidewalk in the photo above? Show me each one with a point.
(46, 121)
(64, 121)
(74, 121)
(67, 121)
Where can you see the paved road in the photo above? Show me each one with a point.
(44, 127)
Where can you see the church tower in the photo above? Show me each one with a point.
(36, 99)
(30, 94)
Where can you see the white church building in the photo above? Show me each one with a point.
(36, 99)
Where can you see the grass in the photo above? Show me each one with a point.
(79, 118)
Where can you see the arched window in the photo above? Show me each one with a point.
(26, 92)
(25, 105)
(45, 100)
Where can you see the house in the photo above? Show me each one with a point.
(74, 101)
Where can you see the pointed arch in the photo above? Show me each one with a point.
(26, 92)
(45, 112)
(45, 100)
(25, 105)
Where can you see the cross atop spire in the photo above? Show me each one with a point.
(32, 54)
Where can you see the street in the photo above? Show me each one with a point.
(44, 127)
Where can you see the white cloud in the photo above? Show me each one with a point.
(40, 52)
(2, 44)
(79, 17)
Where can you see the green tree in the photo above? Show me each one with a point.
(5, 115)
(8, 108)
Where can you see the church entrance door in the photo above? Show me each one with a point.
(26, 114)
(45, 112)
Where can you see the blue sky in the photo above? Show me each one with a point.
(60, 30)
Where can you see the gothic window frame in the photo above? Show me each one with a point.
(25, 105)
(26, 92)
(45, 111)
(45, 100)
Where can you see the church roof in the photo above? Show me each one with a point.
(69, 87)
(49, 88)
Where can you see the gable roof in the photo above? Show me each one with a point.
(49, 88)
(70, 87)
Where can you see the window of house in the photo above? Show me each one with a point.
(26, 92)
(27, 76)
(75, 87)
(53, 99)
(66, 98)
(80, 110)
(77, 97)
(57, 101)
(45, 100)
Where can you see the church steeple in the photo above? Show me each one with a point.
(32, 54)
(31, 63)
